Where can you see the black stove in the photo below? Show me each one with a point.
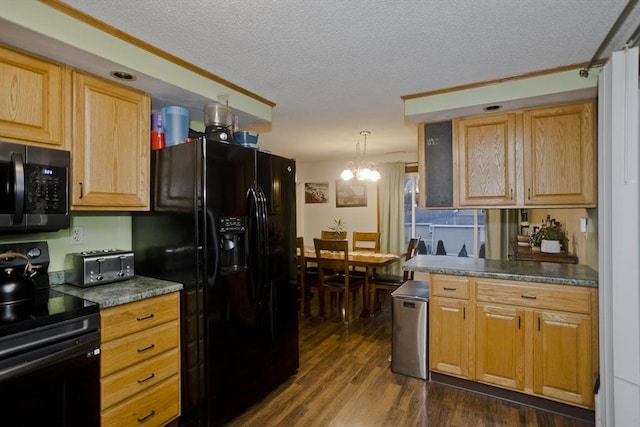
(48, 306)
(49, 345)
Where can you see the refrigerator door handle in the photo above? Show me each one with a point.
(254, 260)
(267, 285)
(264, 238)
(213, 264)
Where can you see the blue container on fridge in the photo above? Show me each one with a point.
(175, 121)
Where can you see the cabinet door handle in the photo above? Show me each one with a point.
(528, 296)
(464, 313)
(529, 193)
(142, 350)
(518, 322)
(144, 380)
(449, 289)
(511, 194)
(151, 414)
(150, 316)
(538, 323)
(81, 189)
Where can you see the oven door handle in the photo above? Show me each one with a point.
(87, 346)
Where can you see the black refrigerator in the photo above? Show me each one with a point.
(222, 223)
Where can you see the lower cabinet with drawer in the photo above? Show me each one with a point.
(536, 338)
(140, 362)
(450, 325)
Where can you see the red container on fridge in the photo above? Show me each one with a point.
(157, 132)
(157, 140)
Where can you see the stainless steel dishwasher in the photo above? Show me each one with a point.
(410, 336)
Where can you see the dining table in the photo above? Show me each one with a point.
(368, 260)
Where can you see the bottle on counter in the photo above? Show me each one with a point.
(524, 222)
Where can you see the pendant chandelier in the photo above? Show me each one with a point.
(360, 168)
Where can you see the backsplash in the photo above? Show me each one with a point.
(99, 231)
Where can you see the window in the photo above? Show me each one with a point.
(451, 232)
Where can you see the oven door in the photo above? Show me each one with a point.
(58, 385)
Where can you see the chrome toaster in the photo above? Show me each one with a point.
(90, 268)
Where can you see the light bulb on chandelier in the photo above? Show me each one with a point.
(360, 168)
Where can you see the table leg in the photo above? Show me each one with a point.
(365, 300)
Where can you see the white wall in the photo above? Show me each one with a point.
(314, 217)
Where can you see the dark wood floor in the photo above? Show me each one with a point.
(344, 380)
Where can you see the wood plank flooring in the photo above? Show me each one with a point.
(344, 380)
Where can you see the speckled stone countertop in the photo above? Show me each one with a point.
(112, 294)
(525, 271)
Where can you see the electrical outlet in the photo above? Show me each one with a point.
(77, 235)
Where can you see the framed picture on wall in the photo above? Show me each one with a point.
(316, 192)
(350, 194)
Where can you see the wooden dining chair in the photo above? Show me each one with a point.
(333, 274)
(365, 241)
(306, 278)
(328, 234)
(390, 282)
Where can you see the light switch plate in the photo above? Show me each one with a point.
(583, 224)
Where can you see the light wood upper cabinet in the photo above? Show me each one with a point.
(559, 152)
(31, 105)
(486, 157)
(110, 146)
(536, 157)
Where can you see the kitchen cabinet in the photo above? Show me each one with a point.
(500, 349)
(562, 357)
(486, 158)
(537, 338)
(110, 146)
(140, 362)
(32, 101)
(450, 325)
(535, 157)
(559, 153)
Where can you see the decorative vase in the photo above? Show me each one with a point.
(550, 246)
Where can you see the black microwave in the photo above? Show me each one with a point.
(34, 188)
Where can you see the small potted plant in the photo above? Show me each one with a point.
(338, 228)
(550, 239)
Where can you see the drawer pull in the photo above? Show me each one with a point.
(151, 414)
(145, 317)
(144, 380)
(142, 350)
(528, 296)
(449, 289)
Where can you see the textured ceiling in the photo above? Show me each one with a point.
(336, 67)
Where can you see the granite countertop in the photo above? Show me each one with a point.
(525, 271)
(112, 294)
